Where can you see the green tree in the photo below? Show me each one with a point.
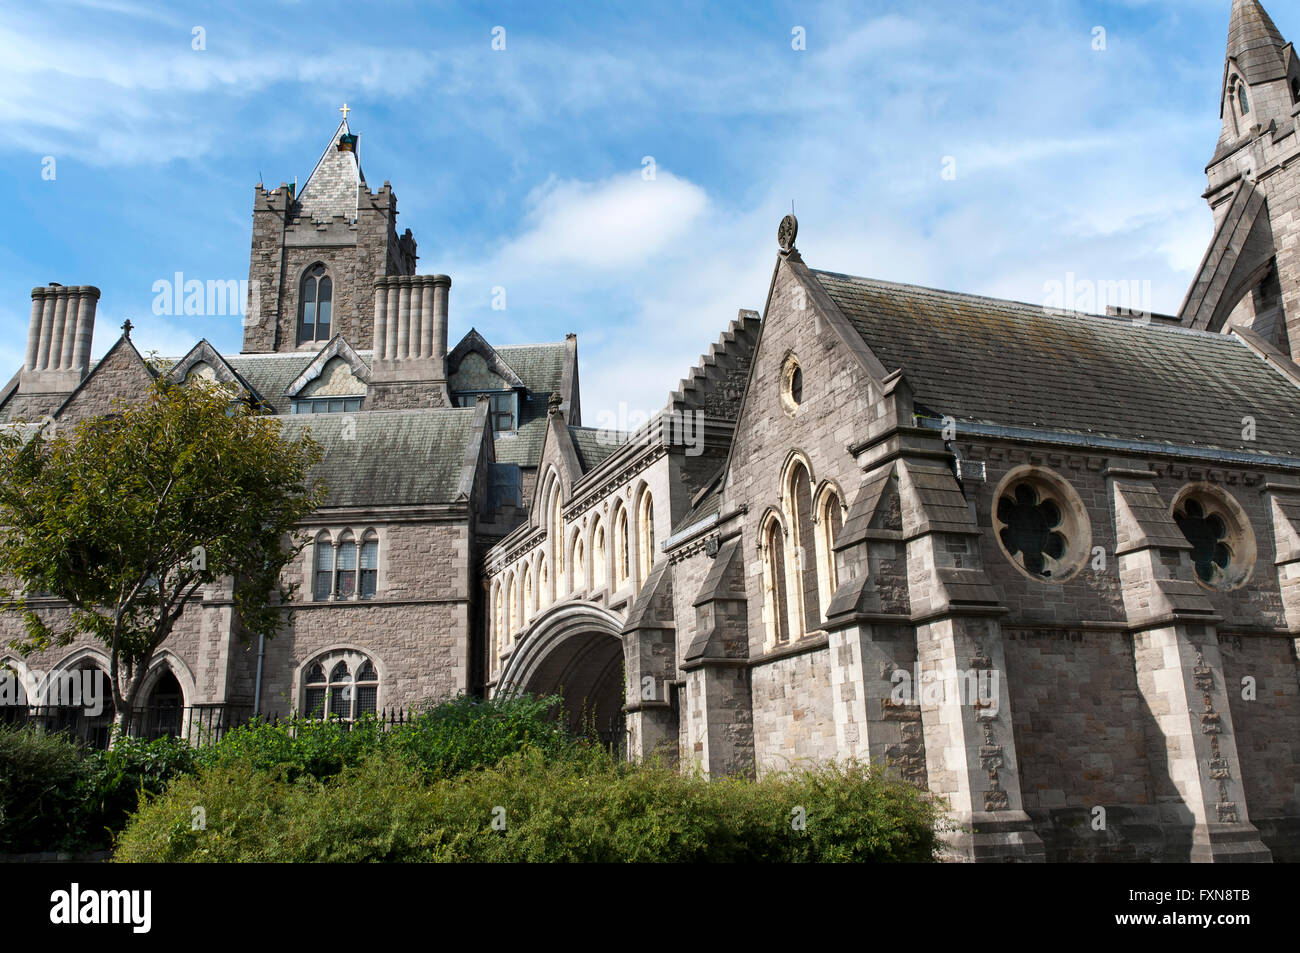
(127, 516)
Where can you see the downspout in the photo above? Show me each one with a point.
(257, 685)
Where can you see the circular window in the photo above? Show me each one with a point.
(1041, 524)
(791, 384)
(1223, 546)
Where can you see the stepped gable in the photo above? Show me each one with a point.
(716, 384)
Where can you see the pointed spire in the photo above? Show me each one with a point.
(1255, 42)
(332, 188)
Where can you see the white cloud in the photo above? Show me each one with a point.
(623, 221)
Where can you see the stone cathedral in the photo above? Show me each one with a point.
(856, 530)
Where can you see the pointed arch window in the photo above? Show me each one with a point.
(543, 584)
(645, 528)
(799, 511)
(830, 521)
(527, 596)
(1242, 99)
(315, 303)
(599, 559)
(512, 610)
(776, 593)
(621, 563)
(579, 581)
(341, 685)
(498, 629)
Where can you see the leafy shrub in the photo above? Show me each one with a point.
(583, 806)
(55, 794)
(115, 780)
(40, 790)
(448, 738)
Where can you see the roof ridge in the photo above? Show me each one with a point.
(1038, 309)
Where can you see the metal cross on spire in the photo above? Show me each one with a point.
(345, 110)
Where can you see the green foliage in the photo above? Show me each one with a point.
(41, 778)
(57, 795)
(468, 733)
(116, 779)
(449, 738)
(580, 806)
(127, 515)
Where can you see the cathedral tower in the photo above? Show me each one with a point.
(317, 253)
(1250, 276)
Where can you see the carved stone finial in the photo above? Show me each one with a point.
(555, 403)
(126, 328)
(786, 234)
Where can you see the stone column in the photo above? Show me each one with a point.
(404, 318)
(390, 343)
(85, 328)
(381, 319)
(70, 329)
(34, 328)
(427, 319)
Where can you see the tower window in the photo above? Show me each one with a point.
(1242, 99)
(315, 301)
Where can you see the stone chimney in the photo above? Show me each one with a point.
(409, 366)
(58, 339)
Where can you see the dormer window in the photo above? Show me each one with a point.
(315, 300)
(504, 408)
(1242, 99)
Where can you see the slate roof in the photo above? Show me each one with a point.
(271, 374)
(539, 366)
(708, 505)
(594, 446)
(524, 446)
(402, 457)
(1020, 365)
(1255, 42)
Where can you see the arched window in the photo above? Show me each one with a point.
(345, 581)
(776, 594)
(557, 532)
(830, 520)
(498, 629)
(543, 584)
(341, 685)
(579, 581)
(315, 301)
(369, 565)
(512, 610)
(799, 511)
(1242, 99)
(599, 559)
(344, 571)
(622, 565)
(645, 528)
(324, 582)
(527, 596)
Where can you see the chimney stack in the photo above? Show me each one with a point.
(411, 338)
(58, 338)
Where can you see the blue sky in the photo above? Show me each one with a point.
(522, 168)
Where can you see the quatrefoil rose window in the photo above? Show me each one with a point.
(1041, 525)
(1223, 546)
